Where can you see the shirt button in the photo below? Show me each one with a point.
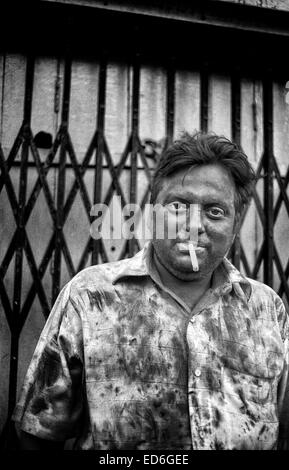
(198, 372)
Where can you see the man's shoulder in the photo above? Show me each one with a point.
(259, 286)
(264, 293)
(97, 275)
(269, 305)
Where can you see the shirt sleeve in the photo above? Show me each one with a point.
(51, 400)
(283, 388)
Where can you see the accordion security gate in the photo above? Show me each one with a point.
(268, 265)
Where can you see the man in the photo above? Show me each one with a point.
(147, 353)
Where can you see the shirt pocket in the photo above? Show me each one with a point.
(250, 388)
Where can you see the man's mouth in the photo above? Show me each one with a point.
(184, 247)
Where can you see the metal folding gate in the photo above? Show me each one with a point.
(98, 154)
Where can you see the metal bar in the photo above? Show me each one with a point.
(20, 237)
(104, 257)
(236, 136)
(258, 261)
(99, 151)
(145, 198)
(204, 98)
(280, 198)
(44, 168)
(81, 167)
(8, 256)
(36, 277)
(117, 172)
(80, 182)
(61, 181)
(85, 163)
(32, 291)
(28, 90)
(12, 154)
(170, 101)
(41, 271)
(283, 274)
(88, 249)
(260, 168)
(44, 184)
(13, 245)
(284, 284)
(259, 206)
(113, 173)
(125, 250)
(9, 187)
(50, 203)
(145, 164)
(282, 187)
(286, 275)
(268, 180)
(134, 150)
(85, 255)
(6, 304)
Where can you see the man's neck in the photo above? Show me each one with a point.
(190, 291)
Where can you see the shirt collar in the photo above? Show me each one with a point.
(225, 278)
(138, 265)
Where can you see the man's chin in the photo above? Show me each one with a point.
(184, 271)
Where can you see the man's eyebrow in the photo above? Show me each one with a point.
(175, 197)
(187, 197)
(192, 199)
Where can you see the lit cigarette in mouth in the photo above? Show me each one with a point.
(193, 256)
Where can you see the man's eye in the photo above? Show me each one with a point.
(215, 212)
(176, 207)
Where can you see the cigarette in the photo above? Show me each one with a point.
(193, 257)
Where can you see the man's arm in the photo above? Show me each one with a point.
(283, 403)
(30, 442)
(50, 407)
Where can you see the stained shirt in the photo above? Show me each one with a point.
(124, 363)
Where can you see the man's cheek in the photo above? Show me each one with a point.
(220, 233)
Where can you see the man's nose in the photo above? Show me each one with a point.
(184, 232)
(195, 220)
(201, 227)
(191, 229)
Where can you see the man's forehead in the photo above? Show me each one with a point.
(211, 181)
(211, 191)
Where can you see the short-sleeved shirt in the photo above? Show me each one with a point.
(124, 363)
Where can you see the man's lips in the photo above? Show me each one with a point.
(184, 247)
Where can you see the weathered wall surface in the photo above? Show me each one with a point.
(274, 4)
(46, 111)
(282, 5)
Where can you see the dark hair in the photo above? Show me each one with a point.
(202, 149)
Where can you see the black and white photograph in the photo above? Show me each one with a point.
(144, 228)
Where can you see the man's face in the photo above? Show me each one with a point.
(212, 187)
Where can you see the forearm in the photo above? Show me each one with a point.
(283, 405)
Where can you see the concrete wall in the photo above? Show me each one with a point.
(46, 113)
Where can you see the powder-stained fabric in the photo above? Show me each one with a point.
(123, 363)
